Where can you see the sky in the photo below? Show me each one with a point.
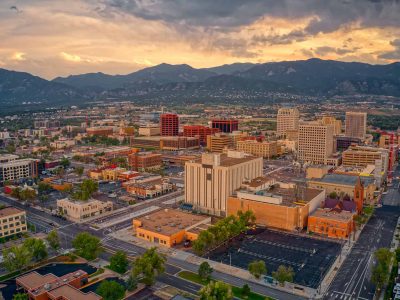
(52, 38)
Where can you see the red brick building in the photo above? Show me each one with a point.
(225, 125)
(198, 130)
(169, 124)
(145, 161)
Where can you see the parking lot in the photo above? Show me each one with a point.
(310, 258)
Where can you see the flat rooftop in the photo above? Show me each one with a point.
(327, 213)
(289, 196)
(9, 211)
(71, 293)
(170, 221)
(343, 179)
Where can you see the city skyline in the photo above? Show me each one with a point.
(48, 39)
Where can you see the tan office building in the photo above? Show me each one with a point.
(356, 124)
(79, 210)
(263, 149)
(219, 141)
(315, 142)
(12, 221)
(287, 119)
(210, 181)
(337, 124)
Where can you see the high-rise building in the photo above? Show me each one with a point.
(315, 142)
(169, 124)
(212, 179)
(337, 124)
(198, 130)
(225, 125)
(287, 119)
(356, 124)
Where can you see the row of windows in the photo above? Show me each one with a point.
(12, 225)
(12, 231)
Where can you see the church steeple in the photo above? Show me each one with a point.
(359, 195)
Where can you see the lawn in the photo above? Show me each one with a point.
(237, 291)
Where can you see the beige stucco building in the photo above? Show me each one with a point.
(12, 221)
(337, 124)
(210, 181)
(315, 143)
(356, 124)
(287, 119)
(264, 149)
(77, 211)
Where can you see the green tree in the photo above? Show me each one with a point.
(205, 271)
(149, 265)
(85, 190)
(53, 240)
(383, 256)
(79, 171)
(16, 193)
(16, 258)
(333, 195)
(20, 296)
(110, 290)
(246, 291)
(27, 194)
(132, 282)
(380, 275)
(216, 290)
(64, 162)
(36, 247)
(119, 262)
(283, 274)
(43, 187)
(257, 268)
(86, 245)
(397, 253)
(10, 148)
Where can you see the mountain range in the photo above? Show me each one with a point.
(313, 77)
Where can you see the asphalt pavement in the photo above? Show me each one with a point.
(353, 280)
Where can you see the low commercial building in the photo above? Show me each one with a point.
(150, 130)
(219, 141)
(150, 189)
(18, 169)
(63, 143)
(58, 184)
(345, 184)
(171, 143)
(331, 223)
(12, 221)
(170, 227)
(111, 174)
(344, 142)
(276, 207)
(99, 131)
(144, 161)
(78, 211)
(177, 159)
(52, 287)
(264, 149)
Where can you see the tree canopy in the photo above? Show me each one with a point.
(119, 262)
(283, 274)
(86, 245)
(205, 271)
(257, 268)
(149, 265)
(110, 290)
(216, 290)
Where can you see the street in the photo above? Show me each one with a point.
(353, 278)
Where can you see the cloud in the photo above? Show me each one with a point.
(19, 56)
(325, 50)
(394, 54)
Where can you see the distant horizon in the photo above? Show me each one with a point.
(133, 71)
(51, 39)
